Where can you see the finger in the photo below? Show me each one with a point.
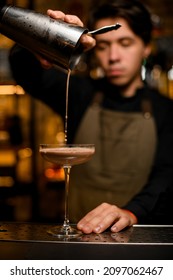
(68, 18)
(105, 222)
(122, 223)
(89, 222)
(73, 19)
(88, 42)
(55, 14)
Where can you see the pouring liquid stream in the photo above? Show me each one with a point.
(66, 107)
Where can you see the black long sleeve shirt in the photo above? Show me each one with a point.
(154, 201)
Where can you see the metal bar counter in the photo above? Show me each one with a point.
(20, 241)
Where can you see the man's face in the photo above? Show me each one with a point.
(120, 53)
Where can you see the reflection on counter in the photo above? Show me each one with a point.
(31, 241)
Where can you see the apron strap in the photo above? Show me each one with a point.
(146, 105)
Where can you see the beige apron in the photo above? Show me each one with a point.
(125, 147)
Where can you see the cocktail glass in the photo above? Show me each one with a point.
(66, 155)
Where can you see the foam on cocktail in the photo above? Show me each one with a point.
(67, 155)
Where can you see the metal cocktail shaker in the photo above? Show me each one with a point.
(55, 40)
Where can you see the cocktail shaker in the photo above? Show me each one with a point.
(54, 40)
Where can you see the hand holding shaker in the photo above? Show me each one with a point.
(55, 40)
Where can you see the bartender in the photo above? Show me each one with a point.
(131, 124)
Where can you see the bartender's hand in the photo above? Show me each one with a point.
(86, 40)
(105, 216)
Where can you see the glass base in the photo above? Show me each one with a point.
(64, 232)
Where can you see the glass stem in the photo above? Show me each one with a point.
(67, 178)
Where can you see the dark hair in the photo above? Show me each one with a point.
(133, 11)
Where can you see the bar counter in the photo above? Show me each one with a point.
(21, 241)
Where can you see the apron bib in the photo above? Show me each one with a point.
(125, 146)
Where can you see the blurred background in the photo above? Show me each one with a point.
(30, 188)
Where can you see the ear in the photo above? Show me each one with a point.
(147, 50)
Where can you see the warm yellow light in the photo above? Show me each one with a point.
(11, 89)
(6, 181)
(54, 174)
(7, 158)
(24, 153)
